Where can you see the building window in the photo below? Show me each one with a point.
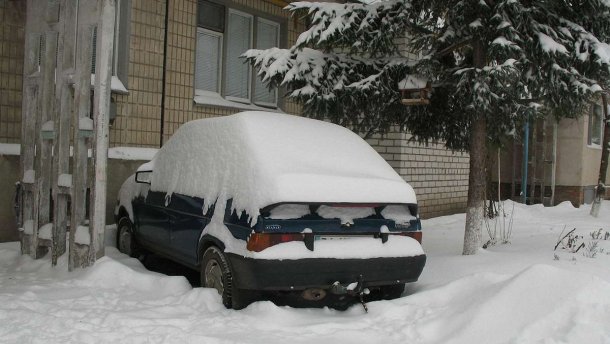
(268, 37)
(595, 125)
(120, 57)
(219, 70)
(209, 53)
(239, 39)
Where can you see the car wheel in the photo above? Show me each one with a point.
(125, 241)
(216, 273)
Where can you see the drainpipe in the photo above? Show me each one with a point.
(526, 138)
(164, 76)
(554, 170)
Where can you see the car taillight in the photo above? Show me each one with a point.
(417, 235)
(260, 241)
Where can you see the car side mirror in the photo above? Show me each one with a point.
(143, 177)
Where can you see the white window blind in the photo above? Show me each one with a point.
(208, 57)
(268, 36)
(239, 38)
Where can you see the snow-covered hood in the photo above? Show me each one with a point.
(261, 158)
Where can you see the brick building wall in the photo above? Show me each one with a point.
(439, 176)
(12, 27)
(138, 113)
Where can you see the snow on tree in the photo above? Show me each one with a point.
(492, 64)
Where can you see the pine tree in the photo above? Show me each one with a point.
(492, 64)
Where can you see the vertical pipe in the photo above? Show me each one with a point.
(526, 138)
(514, 171)
(499, 179)
(554, 168)
(164, 77)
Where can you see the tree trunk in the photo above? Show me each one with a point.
(476, 187)
(603, 165)
(476, 178)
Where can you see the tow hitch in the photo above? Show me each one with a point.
(355, 289)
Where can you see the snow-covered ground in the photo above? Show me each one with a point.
(522, 292)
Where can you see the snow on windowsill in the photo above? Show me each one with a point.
(132, 153)
(10, 149)
(215, 99)
(116, 86)
(120, 153)
(594, 146)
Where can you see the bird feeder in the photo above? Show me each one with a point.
(415, 90)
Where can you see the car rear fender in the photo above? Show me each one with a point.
(122, 212)
(205, 242)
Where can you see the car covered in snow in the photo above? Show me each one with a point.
(264, 202)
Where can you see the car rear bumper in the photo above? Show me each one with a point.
(298, 274)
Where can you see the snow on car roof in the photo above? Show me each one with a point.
(261, 158)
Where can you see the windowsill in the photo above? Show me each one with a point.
(598, 147)
(214, 99)
(116, 86)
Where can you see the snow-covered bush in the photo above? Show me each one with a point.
(573, 243)
(499, 223)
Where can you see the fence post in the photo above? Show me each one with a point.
(82, 134)
(62, 179)
(101, 106)
(28, 210)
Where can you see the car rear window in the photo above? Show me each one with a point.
(400, 213)
(344, 212)
(289, 211)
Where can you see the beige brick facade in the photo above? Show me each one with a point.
(439, 176)
(139, 112)
(12, 23)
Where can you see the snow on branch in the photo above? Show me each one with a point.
(369, 28)
(550, 45)
(320, 71)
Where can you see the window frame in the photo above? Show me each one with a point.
(202, 92)
(221, 99)
(254, 75)
(590, 128)
(120, 52)
(226, 61)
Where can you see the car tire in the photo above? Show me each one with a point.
(216, 273)
(125, 240)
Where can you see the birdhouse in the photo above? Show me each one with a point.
(415, 90)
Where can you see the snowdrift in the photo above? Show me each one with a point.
(515, 293)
